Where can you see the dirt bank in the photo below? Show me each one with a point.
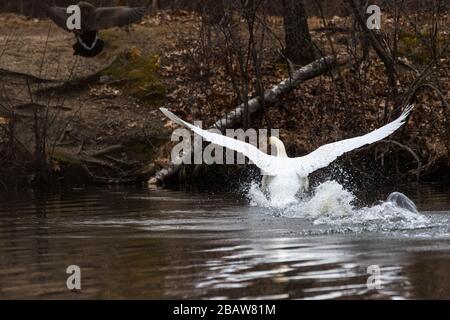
(99, 117)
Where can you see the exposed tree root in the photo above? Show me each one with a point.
(103, 161)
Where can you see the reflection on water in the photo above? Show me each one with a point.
(138, 243)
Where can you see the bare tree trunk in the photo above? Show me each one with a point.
(299, 48)
(155, 5)
(387, 59)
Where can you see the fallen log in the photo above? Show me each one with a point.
(312, 70)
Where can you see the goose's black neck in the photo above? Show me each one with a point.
(88, 44)
(89, 37)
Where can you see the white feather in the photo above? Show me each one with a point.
(327, 153)
(262, 160)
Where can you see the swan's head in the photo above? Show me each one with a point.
(281, 151)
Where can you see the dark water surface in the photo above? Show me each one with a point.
(140, 243)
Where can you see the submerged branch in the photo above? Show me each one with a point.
(415, 156)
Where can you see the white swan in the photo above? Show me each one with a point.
(284, 177)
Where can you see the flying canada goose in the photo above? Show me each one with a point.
(284, 177)
(93, 19)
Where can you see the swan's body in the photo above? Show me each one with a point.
(284, 177)
(282, 187)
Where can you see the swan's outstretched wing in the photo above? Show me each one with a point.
(269, 165)
(326, 154)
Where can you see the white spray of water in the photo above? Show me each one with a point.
(331, 204)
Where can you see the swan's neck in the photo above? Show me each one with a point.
(281, 151)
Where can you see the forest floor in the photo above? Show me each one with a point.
(101, 115)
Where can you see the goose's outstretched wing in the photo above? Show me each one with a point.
(326, 154)
(109, 17)
(59, 16)
(268, 164)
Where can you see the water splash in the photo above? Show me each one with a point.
(330, 204)
(402, 201)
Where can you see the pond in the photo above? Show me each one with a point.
(141, 243)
